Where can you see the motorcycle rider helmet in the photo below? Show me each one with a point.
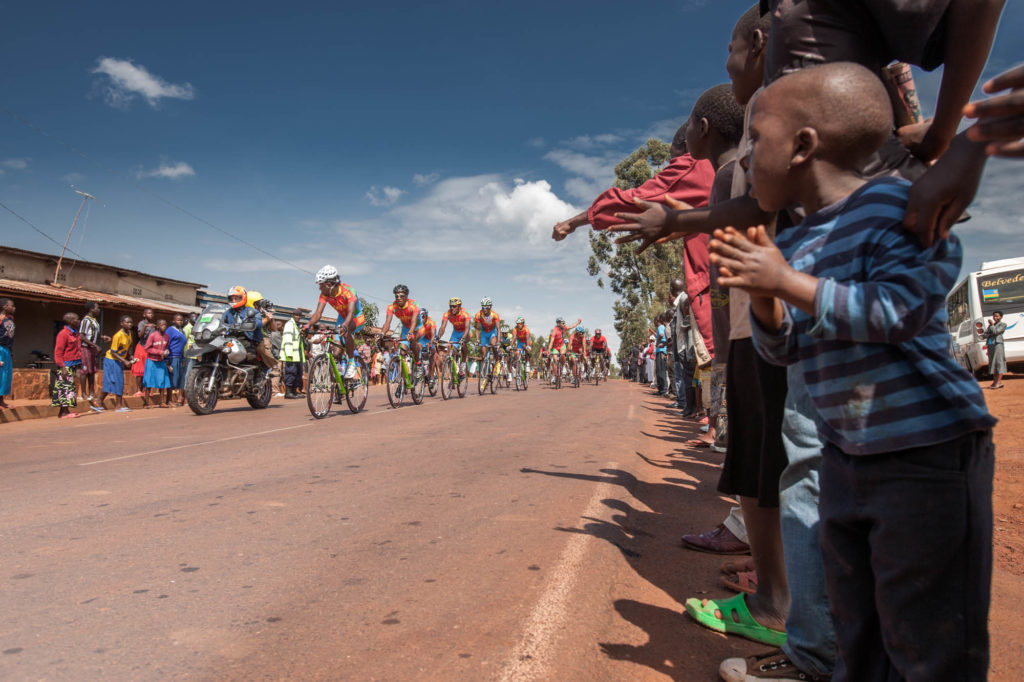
(252, 298)
(520, 320)
(327, 273)
(454, 300)
(486, 302)
(400, 289)
(240, 296)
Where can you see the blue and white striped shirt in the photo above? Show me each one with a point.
(875, 355)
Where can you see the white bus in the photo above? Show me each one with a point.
(998, 286)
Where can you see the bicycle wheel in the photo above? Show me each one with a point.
(357, 388)
(576, 374)
(432, 380)
(495, 380)
(447, 379)
(461, 378)
(558, 374)
(597, 373)
(525, 371)
(483, 374)
(395, 382)
(517, 376)
(419, 383)
(320, 392)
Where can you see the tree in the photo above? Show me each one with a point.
(637, 279)
(370, 312)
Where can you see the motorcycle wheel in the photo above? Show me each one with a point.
(262, 399)
(395, 382)
(358, 388)
(199, 399)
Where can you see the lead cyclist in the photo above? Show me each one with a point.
(348, 306)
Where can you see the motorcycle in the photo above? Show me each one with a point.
(225, 364)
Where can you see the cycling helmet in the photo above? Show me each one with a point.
(597, 332)
(520, 320)
(454, 300)
(241, 294)
(504, 328)
(580, 329)
(400, 289)
(327, 273)
(486, 302)
(423, 314)
(559, 320)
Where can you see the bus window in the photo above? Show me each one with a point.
(957, 307)
(1002, 291)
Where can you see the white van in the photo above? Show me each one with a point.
(998, 286)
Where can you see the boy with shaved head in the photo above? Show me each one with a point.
(853, 304)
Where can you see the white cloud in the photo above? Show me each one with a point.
(171, 172)
(593, 141)
(72, 178)
(384, 196)
(591, 174)
(422, 179)
(484, 218)
(536, 142)
(125, 81)
(14, 164)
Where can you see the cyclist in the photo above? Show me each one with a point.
(556, 344)
(348, 306)
(408, 313)
(428, 338)
(523, 341)
(599, 344)
(485, 325)
(460, 320)
(577, 348)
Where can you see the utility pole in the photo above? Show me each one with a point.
(85, 197)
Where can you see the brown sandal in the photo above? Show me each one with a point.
(743, 581)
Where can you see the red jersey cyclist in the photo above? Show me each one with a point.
(408, 313)
(461, 322)
(428, 337)
(345, 302)
(577, 347)
(522, 334)
(599, 344)
(556, 343)
(486, 324)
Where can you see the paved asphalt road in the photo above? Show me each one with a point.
(500, 537)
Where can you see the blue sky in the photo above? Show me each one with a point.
(433, 145)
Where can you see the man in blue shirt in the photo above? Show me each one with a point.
(176, 341)
(660, 351)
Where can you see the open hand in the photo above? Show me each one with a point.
(750, 261)
(939, 197)
(1001, 118)
(646, 227)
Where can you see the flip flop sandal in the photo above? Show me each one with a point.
(741, 581)
(732, 617)
(697, 443)
(734, 567)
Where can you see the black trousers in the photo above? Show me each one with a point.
(906, 539)
(293, 375)
(661, 372)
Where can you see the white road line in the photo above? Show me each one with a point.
(531, 656)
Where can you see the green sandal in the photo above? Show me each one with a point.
(703, 611)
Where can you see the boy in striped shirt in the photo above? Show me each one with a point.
(855, 303)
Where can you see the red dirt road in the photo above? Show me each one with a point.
(508, 537)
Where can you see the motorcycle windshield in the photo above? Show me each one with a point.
(209, 320)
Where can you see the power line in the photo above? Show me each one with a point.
(25, 220)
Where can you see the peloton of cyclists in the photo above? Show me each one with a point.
(460, 321)
(408, 313)
(348, 306)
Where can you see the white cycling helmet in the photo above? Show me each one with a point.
(486, 302)
(520, 320)
(326, 274)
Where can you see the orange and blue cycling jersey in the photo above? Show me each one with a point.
(459, 321)
(576, 342)
(340, 302)
(487, 325)
(522, 335)
(409, 315)
(598, 342)
(428, 330)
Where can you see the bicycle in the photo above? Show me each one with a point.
(557, 361)
(577, 371)
(487, 372)
(453, 379)
(403, 376)
(328, 383)
(520, 370)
